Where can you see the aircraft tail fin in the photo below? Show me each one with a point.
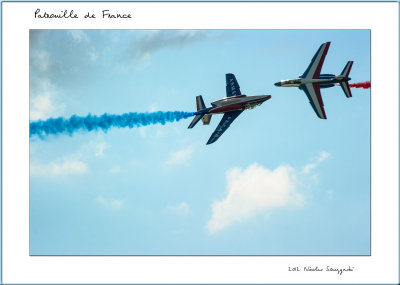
(200, 114)
(200, 103)
(344, 84)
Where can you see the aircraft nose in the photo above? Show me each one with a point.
(278, 84)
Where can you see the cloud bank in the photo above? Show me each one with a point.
(43, 92)
(152, 42)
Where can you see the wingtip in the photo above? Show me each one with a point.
(327, 45)
(322, 116)
(210, 141)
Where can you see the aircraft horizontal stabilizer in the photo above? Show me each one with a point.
(195, 120)
(346, 88)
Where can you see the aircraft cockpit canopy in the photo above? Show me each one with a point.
(292, 81)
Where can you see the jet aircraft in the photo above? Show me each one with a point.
(231, 106)
(312, 81)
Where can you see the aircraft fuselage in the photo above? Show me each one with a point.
(235, 103)
(324, 81)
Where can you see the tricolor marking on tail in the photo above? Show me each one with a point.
(345, 83)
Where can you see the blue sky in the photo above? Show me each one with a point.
(280, 181)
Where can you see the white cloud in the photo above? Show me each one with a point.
(257, 189)
(94, 147)
(47, 67)
(111, 204)
(322, 156)
(143, 132)
(251, 191)
(43, 107)
(153, 108)
(68, 167)
(180, 209)
(43, 93)
(72, 164)
(161, 133)
(93, 55)
(114, 169)
(181, 156)
(40, 59)
(43, 99)
(99, 148)
(79, 36)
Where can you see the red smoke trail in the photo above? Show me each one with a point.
(365, 85)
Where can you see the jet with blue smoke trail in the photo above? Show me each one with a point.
(231, 106)
(55, 126)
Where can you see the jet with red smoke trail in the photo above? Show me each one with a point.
(312, 80)
(231, 106)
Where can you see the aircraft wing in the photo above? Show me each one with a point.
(313, 93)
(314, 69)
(226, 121)
(232, 86)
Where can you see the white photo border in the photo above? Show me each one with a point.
(381, 267)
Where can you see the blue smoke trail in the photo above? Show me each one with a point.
(104, 122)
